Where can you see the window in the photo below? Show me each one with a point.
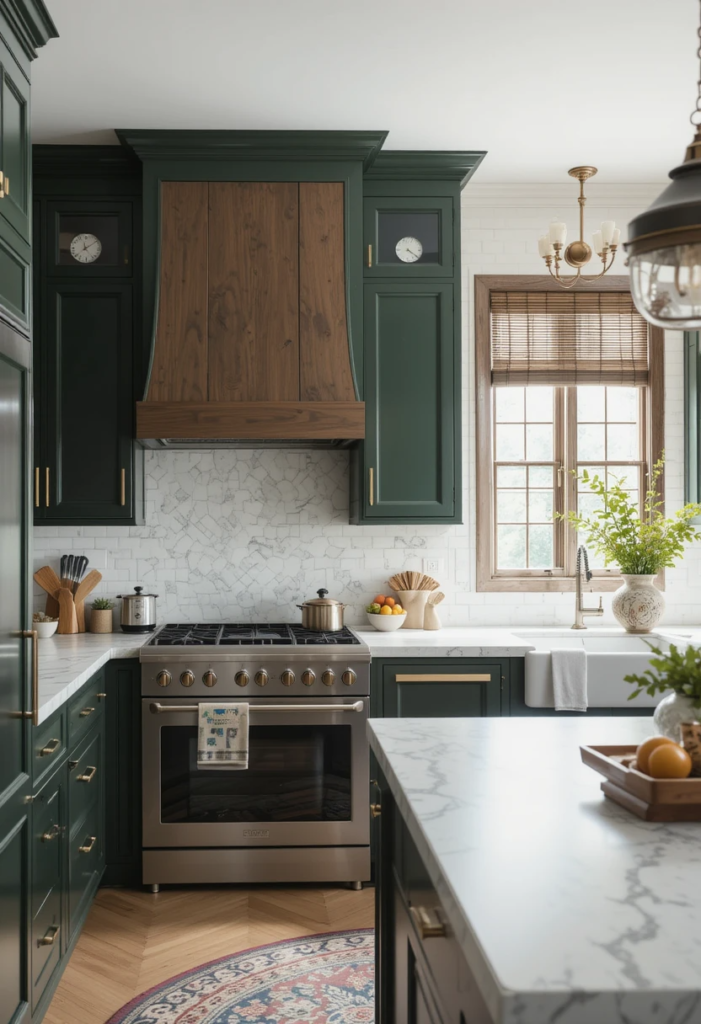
(565, 381)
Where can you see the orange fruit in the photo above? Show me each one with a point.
(646, 748)
(385, 610)
(390, 601)
(397, 610)
(669, 761)
(380, 599)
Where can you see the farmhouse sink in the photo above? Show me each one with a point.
(611, 655)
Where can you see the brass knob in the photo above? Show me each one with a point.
(348, 677)
(187, 678)
(288, 677)
(242, 679)
(375, 810)
(164, 678)
(209, 678)
(261, 678)
(328, 678)
(428, 923)
(308, 677)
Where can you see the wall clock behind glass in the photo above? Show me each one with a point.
(85, 247)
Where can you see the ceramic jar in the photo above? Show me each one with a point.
(638, 604)
(414, 604)
(672, 710)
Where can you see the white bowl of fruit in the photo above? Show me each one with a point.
(385, 614)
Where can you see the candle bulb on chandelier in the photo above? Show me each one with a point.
(607, 229)
(616, 237)
(558, 232)
(545, 246)
(598, 242)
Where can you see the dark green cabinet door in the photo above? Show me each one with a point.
(408, 237)
(86, 418)
(436, 690)
(123, 772)
(15, 251)
(14, 667)
(412, 404)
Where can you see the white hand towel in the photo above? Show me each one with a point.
(222, 741)
(569, 668)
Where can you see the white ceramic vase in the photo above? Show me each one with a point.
(638, 604)
(672, 710)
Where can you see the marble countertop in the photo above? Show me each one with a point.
(568, 908)
(67, 662)
(449, 642)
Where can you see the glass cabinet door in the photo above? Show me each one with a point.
(408, 237)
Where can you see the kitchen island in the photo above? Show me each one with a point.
(538, 899)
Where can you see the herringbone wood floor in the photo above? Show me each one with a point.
(133, 940)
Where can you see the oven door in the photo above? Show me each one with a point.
(306, 783)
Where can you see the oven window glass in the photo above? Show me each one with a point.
(295, 773)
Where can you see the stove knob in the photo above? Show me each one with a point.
(288, 677)
(209, 678)
(187, 678)
(164, 678)
(328, 678)
(242, 679)
(348, 677)
(308, 677)
(261, 678)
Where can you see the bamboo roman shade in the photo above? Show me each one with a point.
(560, 338)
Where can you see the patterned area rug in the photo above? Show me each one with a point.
(321, 979)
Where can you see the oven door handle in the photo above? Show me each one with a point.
(318, 709)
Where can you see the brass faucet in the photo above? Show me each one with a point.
(579, 610)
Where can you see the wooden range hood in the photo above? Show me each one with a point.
(251, 339)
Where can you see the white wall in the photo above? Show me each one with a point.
(242, 535)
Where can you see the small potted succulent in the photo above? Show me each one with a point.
(101, 616)
(679, 672)
(639, 544)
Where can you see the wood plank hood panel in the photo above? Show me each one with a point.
(251, 337)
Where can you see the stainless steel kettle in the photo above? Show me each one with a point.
(138, 611)
(322, 614)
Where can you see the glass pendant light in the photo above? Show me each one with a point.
(664, 245)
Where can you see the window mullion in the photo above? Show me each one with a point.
(570, 476)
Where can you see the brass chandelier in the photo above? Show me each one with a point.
(578, 253)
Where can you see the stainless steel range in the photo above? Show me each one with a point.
(299, 813)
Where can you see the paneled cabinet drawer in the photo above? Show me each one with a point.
(49, 829)
(49, 742)
(85, 709)
(85, 779)
(86, 862)
(46, 943)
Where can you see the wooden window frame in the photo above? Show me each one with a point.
(652, 423)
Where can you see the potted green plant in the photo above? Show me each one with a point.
(639, 544)
(101, 616)
(680, 673)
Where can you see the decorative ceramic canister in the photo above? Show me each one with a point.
(672, 710)
(691, 741)
(414, 604)
(638, 604)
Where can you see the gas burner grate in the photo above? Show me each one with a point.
(234, 634)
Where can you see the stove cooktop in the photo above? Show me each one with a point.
(228, 634)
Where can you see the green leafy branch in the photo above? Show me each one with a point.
(672, 670)
(639, 546)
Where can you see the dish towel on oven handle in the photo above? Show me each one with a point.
(222, 736)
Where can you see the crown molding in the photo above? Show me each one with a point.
(523, 195)
(425, 165)
(84, 161)
(31, 23)
(193, 144)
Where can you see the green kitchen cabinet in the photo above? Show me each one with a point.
(15, 187)
(88, 470)
(48, 866)
(440, 688)
(123, 772)
(408, 470)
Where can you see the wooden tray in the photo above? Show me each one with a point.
(651, 799)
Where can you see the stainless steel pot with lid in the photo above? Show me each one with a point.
(322, 613)
(138, 611)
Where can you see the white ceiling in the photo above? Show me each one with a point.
(540, 84)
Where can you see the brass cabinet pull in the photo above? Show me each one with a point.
(2, 190)
(89, 845)
(46, 481)
(376, 809)
(428, 924)
(100, 696)
(89, 774)
(50, 748)
(444, 677)
(85, 712)
(369, 255)
(51, 936)
(7, 186)
(371, 497)
(36, 487)
(123, 487)
(34, 636)
(52, 833)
